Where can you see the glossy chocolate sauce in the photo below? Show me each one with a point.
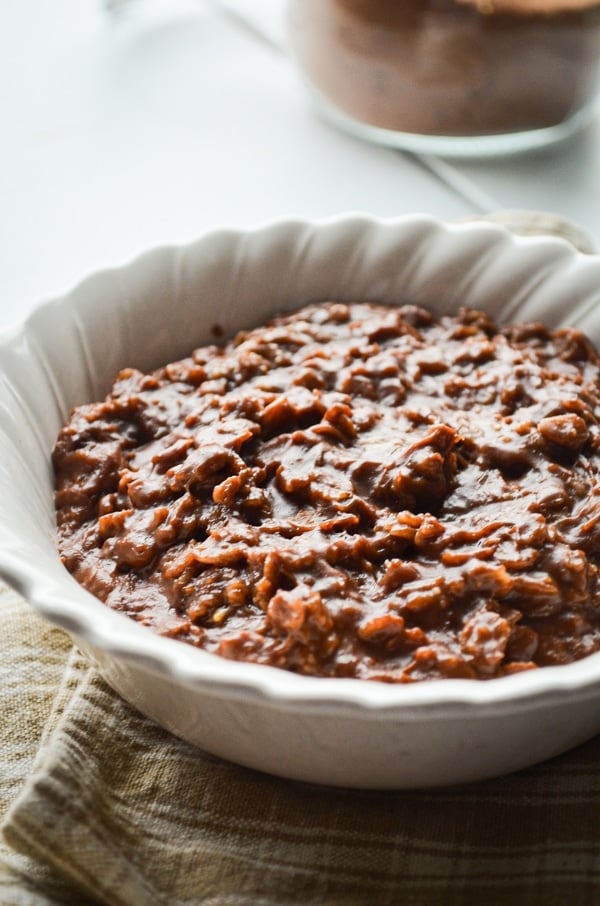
(352, 491)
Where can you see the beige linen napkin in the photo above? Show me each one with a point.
(33, 656)
(114, 810)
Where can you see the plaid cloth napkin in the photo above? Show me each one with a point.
(102, 806)
(114, 810)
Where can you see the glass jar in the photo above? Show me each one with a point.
(451, 76)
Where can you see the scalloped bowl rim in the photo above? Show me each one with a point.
(63, 602)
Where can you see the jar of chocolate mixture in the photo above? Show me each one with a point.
(451, 76)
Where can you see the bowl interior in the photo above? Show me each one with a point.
(171, 300)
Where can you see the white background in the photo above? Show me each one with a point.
(154, 123)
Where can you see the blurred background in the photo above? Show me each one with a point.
(132, 123)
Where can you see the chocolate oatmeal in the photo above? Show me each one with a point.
(351, 491)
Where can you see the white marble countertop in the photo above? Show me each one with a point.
(124, 130)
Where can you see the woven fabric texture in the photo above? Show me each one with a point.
(114, 810)
(102, 806)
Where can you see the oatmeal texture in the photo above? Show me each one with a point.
(351, 490)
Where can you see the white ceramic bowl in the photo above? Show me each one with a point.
(334, 731)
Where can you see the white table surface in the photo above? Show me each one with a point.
(123, 131)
